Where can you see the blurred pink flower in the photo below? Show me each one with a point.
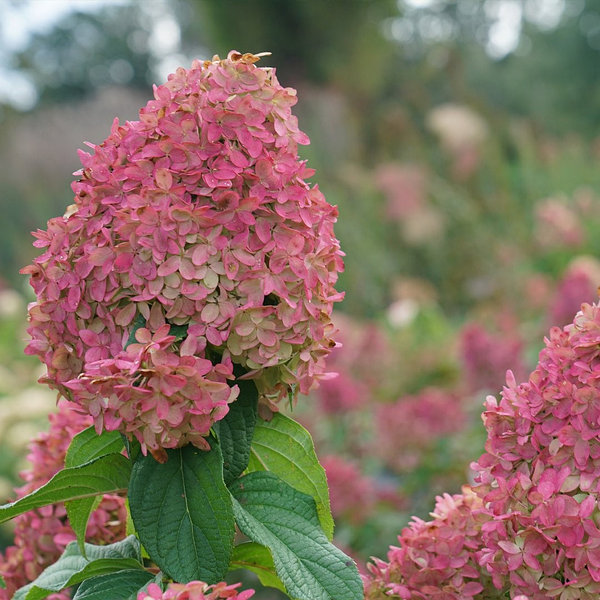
(363, 350)
(404, 187)
(578, 285)
(353, 495)
(196, 219)
(486, 357)
(558, 223)
(408, 428)
(462, 133)
(342, 393)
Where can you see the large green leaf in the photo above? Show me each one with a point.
(122, 585)
(107, 474)
(72, 567)
(183, 513)
(78, 513)
(258, 559)
(272, 513)
(235, 431)
(285, 448)
(87, 445)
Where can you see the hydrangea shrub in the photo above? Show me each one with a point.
(187, 290)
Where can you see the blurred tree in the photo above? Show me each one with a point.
(320, 41)
(534, 58)
(88, 50)
(553, 77)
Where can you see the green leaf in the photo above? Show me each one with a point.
(104, 475)
(138, 323)
(122, 585)
(2, 583)
(132, 447)
(179, 331)
(78, 513)
(183, 513)
(72, 567)
(285, 448)
(85, 447)
(258, 559)
(274, 514)
(235, 431)
(88, 445)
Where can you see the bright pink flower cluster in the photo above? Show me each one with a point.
(437, 559)
(195, 590)
(197, 223)
(41, 535)
(540, 476)
(535, 507)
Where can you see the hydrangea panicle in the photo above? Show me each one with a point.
(197, 222)
(534, 509)
(540, 475)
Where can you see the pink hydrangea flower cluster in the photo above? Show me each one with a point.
(196, 590)
(540, 476)
(437, 559)
(197, 223)
(41, 535)
(537, 486)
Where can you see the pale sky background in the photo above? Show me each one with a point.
(19, 19)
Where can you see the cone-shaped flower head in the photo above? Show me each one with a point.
(540, 475)
(194, 244)
(532, 522)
